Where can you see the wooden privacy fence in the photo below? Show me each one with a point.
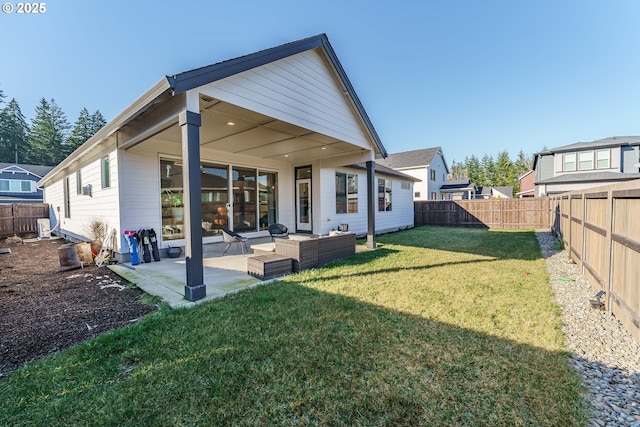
(600, 228)
(21, 218)
(519, 214)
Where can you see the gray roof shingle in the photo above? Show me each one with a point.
(37, 170)
(590, 177)
(614, 141)
(408, 159)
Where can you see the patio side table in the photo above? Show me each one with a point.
(266, 267)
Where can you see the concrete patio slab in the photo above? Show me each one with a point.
(166, 278)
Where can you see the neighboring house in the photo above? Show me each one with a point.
(18, 183)
(427, 165)
(271, 137)
(459, 189)
(527, 186)
(489, 192)
(587, 164)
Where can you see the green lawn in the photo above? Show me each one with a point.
(439, 326)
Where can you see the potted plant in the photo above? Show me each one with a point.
(174, 201)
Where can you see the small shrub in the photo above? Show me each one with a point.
(97, 229)
(558, 245)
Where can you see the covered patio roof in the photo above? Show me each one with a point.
(292, 103)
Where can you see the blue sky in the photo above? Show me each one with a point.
(471, 76)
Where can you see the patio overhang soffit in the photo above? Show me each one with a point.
(232, 129)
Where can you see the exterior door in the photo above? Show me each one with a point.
(303, 204)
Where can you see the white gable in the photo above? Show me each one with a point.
(15, 169)
(300, 89)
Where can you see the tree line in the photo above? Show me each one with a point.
(48, 138)
(499, 172)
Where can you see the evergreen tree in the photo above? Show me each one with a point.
(97, 122)
(13, 134)
(458, 171)
(61, 127)
(472, 165)
(488, 171)
(47, 135)
(523, 163)
(505, 173)
(84, 128)
(82, 131)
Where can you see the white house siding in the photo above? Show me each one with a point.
(402, 214)
(300, 90)
(422, 186)
(140, 198)
(327, 219)
(437, 164)
(102, 204)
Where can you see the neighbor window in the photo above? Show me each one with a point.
(106, 172)
(15, 185)
(433, 196)
(384, 195)
(569, 162)
(433, 174)
(416, 194)
(346, 193)
(405, 185)
(585, 160)
(603, 159)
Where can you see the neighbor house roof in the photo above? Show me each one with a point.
(36, 170)
(590, 177)
(383, 170)
(614, 141)
(487, 190)
(414, 158)
(458, 185)
(185, 81)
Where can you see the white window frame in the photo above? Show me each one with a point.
(350, 196)
(19, 184)
(569, 159)
(385, 199)
(607, 159)
(585, 160)
(105, 171)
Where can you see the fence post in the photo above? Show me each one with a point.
(611, 205)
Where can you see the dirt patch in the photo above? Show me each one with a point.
(44, 310)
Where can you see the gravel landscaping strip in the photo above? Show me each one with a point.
(603, 352)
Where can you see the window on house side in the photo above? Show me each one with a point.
(416, 194)
(346, 193)
(352, 193)
(585, 160)
(67, 198)
(384, 195)
(569, 163)
(603, 159)
(341, 193)
(405, 185)
(106, 172)
(433, 174)
(78, 183)
(433, 196)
